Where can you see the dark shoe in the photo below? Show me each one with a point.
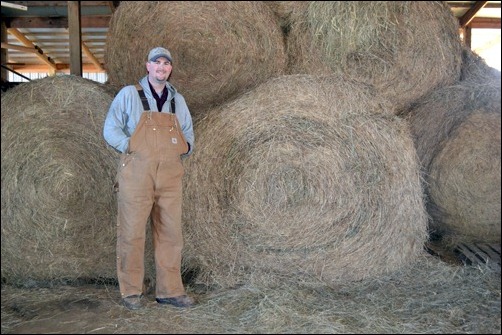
(181, 301)
(133, 302)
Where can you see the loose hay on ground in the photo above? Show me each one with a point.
(58, 210)
(428, 297)
(308, 176)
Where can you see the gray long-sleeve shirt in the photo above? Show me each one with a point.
(126, 109)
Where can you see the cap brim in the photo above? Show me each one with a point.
(158, 56)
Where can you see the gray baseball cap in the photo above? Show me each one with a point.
(159, 52)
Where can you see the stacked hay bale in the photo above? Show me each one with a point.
(457, 135)
(220, 48)
(58, 209)
(302, 175)
(404, 48)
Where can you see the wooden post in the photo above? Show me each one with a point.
(74, 24)
(5, 75)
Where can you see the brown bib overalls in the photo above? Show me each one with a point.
(150, 183)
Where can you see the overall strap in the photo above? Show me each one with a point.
(144, 100)
(173, 106)
(142, 95)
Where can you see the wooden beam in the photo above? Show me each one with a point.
(467, 4)
(113, 5)
(485, 22)
(21, 38)
(91, 57)
(40, 68)
(19, 48)
(75, 38)
(3, 52)
(13, 5)
(469, 15)
(468, 36)
(62, 3)
(91, 21)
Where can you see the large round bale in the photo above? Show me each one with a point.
(404, 48)
(465, 180)
(308, 176)
(220, 48)
(58, 208)
(457, 135)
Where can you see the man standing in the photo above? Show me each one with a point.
(151, 126)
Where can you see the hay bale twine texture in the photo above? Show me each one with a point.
(457, 135)
(58, 209)
(404, 48)
(308, 175)
(220, 48)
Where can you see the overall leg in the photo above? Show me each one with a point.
(135, 199)
(167, 229)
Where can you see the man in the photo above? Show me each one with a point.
(151, 126)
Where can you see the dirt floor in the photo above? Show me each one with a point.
(430, 297)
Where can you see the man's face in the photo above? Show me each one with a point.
(159, 70)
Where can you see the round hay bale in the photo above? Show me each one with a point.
(464, 181)
(307, 176)
(404, 48)
(457, 136)
(58, 208)
(220, 48)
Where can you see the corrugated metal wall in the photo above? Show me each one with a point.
(99, 77)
